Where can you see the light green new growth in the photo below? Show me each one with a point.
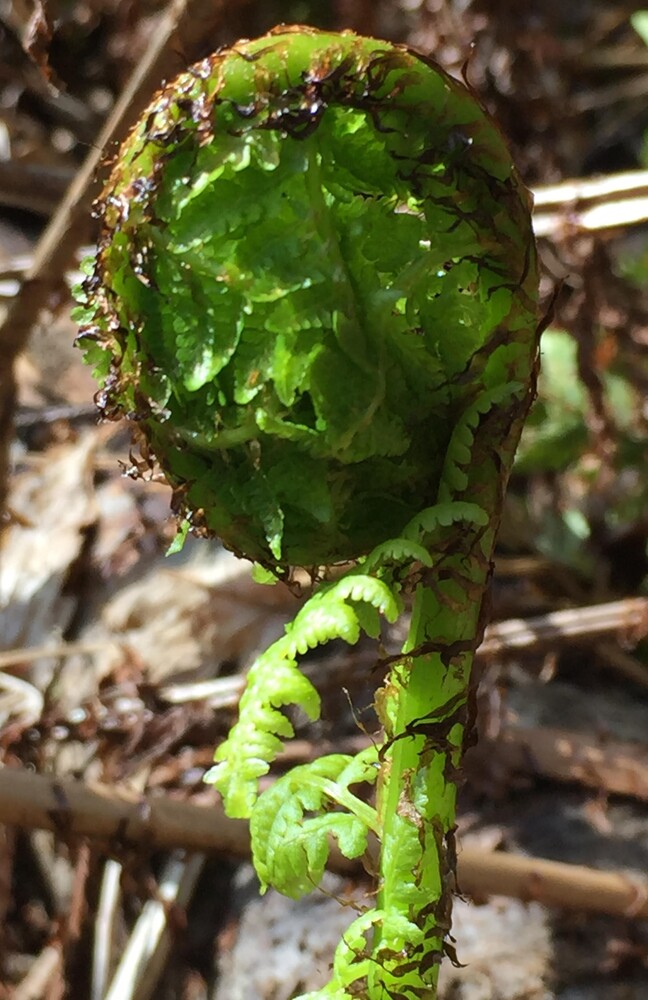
(315, 295)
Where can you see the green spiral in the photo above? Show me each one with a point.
(313, 247)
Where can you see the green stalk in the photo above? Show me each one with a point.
(416, 804)
(424, 709)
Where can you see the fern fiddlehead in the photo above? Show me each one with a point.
(315, 295)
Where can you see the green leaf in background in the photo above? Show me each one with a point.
(639, 21)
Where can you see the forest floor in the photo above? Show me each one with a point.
(120, 668)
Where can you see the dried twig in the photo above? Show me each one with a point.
(148, 945)
(571, 887)
(605, 203)
(610, 187)
(115, 816)
(225, 692)
(629, 618)
(30, 800)
(36, 983)
(104, 928)
(15, 657)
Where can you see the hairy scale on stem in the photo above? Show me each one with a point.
(315, 296)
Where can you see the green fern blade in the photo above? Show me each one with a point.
(291, 822)
(273, 682)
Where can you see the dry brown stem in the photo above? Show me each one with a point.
(629, 618)
(118, 819)
(571, 887)
(605, 203)
(44, 969)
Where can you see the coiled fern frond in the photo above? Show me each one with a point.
(315, 297)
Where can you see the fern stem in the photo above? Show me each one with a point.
(416, 802)
(424, 707)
